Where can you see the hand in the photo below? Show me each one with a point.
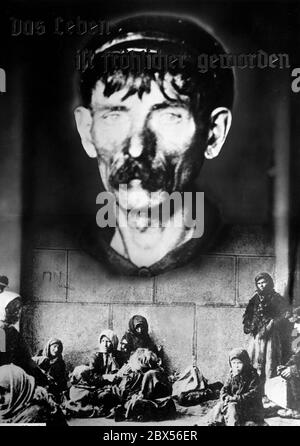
(286, 373)
(280, 368)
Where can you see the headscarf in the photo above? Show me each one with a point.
(21, 387)
(5, 299)
(52, 341)
(138, 340)
(111, 336)
(268, 279)
(241, 354)
(138, 320)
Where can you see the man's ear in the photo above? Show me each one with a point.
(220, 122)
(84, 121)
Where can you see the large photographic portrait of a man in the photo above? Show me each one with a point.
(149, 214)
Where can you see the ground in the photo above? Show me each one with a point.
(186, 416)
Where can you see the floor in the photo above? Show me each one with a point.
(191, 416)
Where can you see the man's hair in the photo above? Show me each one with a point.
(168, 36)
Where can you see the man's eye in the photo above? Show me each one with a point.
(171, 117)
(111, 116)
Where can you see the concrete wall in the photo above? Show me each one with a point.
(10, 177)
(195, 310)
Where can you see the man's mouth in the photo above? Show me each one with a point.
(135, 175)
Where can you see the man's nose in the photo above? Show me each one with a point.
(135, 146)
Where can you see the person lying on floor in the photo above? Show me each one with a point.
(50, 360)
(291, 372)
(241, 397)
(22, 401)
(90, 394)
(144, 391)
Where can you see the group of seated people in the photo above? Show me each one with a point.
(129, 383)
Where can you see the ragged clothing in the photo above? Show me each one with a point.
(90, 392)
(264, 321)
(55, 367)
(135, 339)
(27, 403)
(13, 348)
(144, 390)
(241, 395)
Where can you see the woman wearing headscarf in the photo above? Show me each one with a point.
(263, 320)
(90, 393)
(21, 401)
(137, 335)
(51, 362)
(106, 360)
(13, 348)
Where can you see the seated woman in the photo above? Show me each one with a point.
(241, 397)
(90, 393)
(107, 360)
(21, 401)
(52, 363)
(13, 348)
(144, 390)
(137, 336)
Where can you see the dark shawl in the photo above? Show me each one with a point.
(263, 307)
(246, 386)
(137, 340)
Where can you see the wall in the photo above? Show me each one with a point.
(195, 310)
(11, 177)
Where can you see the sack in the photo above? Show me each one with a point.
(189, 380)
(195, 397)
(279, 391)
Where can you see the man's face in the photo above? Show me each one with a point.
(149, 144)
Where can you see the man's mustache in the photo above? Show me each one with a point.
(152, 178)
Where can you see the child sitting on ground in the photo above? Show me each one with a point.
(241, 397)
